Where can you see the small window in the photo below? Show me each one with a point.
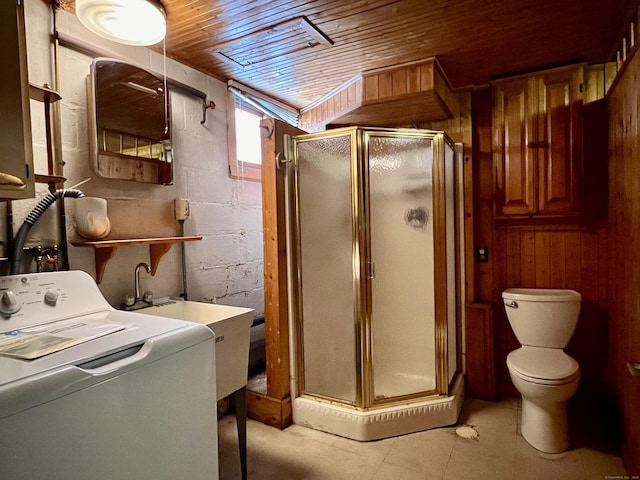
(245, 144)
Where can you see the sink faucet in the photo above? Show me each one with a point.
(134, 303)
(137, 278)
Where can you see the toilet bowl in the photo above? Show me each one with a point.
(545, 391)
(544, 321)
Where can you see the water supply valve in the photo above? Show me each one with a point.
(52, 254)
(38, 256)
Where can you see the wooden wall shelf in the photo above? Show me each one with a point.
(105, 249)
(52, 180)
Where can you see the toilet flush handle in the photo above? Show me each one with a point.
(513, 304)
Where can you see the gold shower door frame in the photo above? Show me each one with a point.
(361, 262)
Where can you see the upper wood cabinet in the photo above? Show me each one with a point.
(16, 163)
(537, 144)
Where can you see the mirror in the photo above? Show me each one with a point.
(129, 112)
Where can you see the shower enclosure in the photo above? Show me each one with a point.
(375, 271)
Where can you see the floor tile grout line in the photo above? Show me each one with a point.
(382, 461)
(455, 441)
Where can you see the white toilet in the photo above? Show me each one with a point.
(544, 321)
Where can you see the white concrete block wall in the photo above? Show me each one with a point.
(226, 265)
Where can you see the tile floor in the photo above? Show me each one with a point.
(498, 453)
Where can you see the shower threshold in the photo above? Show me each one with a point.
(414, 416)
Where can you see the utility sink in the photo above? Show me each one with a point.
(232, 328)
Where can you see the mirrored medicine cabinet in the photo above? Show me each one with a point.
(130, 121)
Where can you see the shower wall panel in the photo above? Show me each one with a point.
(452, 248)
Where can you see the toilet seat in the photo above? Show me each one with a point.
(544, 366)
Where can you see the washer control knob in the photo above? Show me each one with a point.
(51, 297)
(10, 303)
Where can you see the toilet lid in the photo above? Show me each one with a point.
(543, 365)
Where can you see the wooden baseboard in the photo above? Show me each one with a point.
(270, 411)
(481, 368)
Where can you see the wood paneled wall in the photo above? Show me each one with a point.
(344, 99)
(559, 256)
(562, 257)
(624, 234)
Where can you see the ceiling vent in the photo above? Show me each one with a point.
(272, 42)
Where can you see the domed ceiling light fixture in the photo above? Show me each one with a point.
(132, 22)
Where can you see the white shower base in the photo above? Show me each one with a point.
(415, 416)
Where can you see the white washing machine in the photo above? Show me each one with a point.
(90, 392)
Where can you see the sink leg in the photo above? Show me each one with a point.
(240, 400)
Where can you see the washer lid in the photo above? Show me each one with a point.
(137, 329)
(550, 364)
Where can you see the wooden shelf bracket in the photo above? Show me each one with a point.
(105, 249)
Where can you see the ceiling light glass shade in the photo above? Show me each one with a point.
(132, 22)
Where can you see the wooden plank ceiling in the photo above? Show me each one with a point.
(474, 40)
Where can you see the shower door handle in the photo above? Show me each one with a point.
(371, 272)
(281, 160)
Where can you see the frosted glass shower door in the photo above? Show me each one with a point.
(401, 244)
(326, 262)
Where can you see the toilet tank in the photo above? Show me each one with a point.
(542, 317)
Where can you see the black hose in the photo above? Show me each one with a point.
(32, 218)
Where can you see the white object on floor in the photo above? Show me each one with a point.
(466, 431)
